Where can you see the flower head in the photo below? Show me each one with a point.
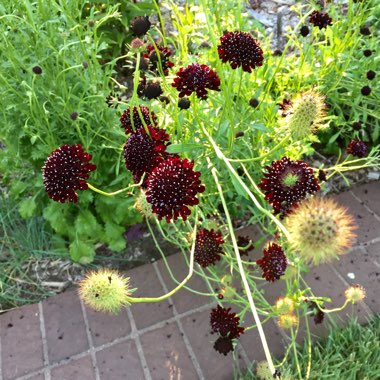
(287, 182)
(225, 323)
(284, 305)
(357, 148)
(152, 90)
(172, 187)
(196, 78)
(159, 56)
(37, 70)
(143, 152)
(287, 321)
(304, 31)
(224, 345)
(65, 171)
(320, 19)
(319, 315)
(142, 205)
(273, 263)
(320, 230)
(240, 49)
(304, 114)
(370, 74)
(140, 25)
(366, 90)
(208, 247)
(134, 123)
(184, 103)
(355, 293)
(105, 290)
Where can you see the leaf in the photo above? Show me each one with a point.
(238, 187)
(82, 252)
(114, 236)
(86, 224)
(56, 214)
(259, 126)
(334, 137)
(27, 207)
(180, 148)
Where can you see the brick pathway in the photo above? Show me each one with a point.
(61, 339)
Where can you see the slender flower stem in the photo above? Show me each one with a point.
(181, 285)
(242, 272)
(327, 311)
(308, 348)
(113, 193)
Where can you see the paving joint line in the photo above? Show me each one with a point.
(139, 348)
(365, 206)
(90, 341)
(46, 370)
(180, 326)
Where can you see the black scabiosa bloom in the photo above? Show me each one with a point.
(65, 171)
(140, 25)
(224, 345)
(366, 90)
(321, 175)
(273, 263)
(320, 19)
(37, 70)
(364, 30)
(135, 123)
(357, 126)
(367, 52)
(240, 49)
(225, 322)
(245, 243)
(357, 148)
(319, 315)
(208, 247)
(163, 55)
(304, 31)
(287, 182)
(196, 78)
(172, 187)
(253, 102)
(152, 90)
(74, 115)
(184, 103)
(143, 152)
(370, 74)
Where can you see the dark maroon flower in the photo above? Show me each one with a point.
(140, 25)
(366, 90)
(225, 323)
(246, 243)
(223, 345)
(304, 31)
(85, 65)
(112, 100)
(239, 134)
(65, 171)
(37, 70)
(240, 49)
(163, 56)
(357, 148)
(367, 52)
(318, 314)
(370, 74)
(321, 175)
(153, 90)
(143, 152)
(356, 126)
(208, 247)
(164, 99)
(320, 19)
(137, 44)
(172, 187)
(184, 103)
(253, 102)
(74, 115)
(196, 78)
(285, 106)
(287, 182)
(135, 123)
(277, 53)
(364, 30)
(273, 263)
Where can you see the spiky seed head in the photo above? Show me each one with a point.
(263, 371)
(228, 292)
(287, 321)
(284, 305)
(320, 230)
(143, 206)
(305, 115)
(105, 290)
(355, 293)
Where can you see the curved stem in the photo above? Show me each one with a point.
(93, 188)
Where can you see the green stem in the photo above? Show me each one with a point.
(93, 188)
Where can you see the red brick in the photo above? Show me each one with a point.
(78, 369)
(370, 195)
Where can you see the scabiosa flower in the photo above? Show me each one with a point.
(357, 148)
(320, 19)
(355, 293)
(240, 49)
(320, 230)
(136, 123)
(225, 322)
(74, 115)
(364, 30)
(224, 345)
(304, 115)
(184, 103)
(287, 321)
(105, 290)
(284, 305)
(321, 175)
(208, 247)
(357, 125)
(196, 78)
(370, 74)
(140, 25)
(273, 263)
(287, 182)
(152, 90)
(304, 31)
(319, 315)
(366, 90)
(164, 53)
(245, 243)
(253, 102)
(65, 171)
(172, 187)
(367, 52)
(143, 152)
(137, 44)
(37, 70)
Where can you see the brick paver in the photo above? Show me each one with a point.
(62, 339)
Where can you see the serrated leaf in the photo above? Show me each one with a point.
(27, 207)
(86, 224)
(56, 214)
(82, 252)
